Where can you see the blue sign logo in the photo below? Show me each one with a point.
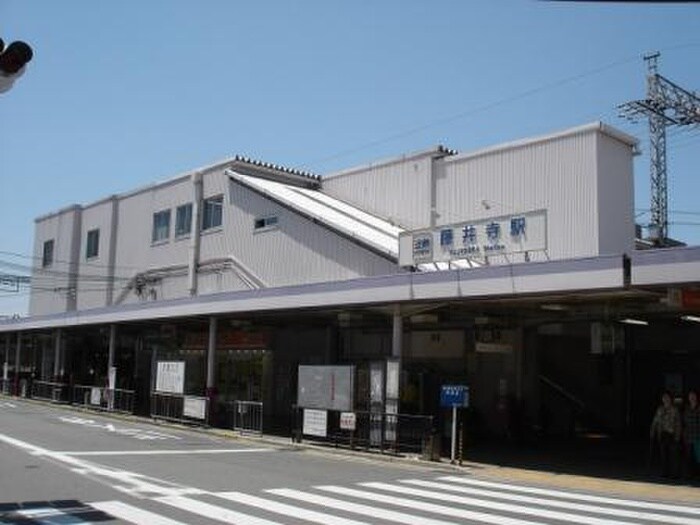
(454, 395)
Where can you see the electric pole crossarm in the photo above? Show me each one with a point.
(685, 104)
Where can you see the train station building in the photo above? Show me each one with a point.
(515, 270)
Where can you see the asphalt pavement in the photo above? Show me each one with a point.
(59, 465)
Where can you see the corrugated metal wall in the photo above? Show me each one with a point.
(615, 196)
(50, 286)
(296, 251)
(558, 175)
(93, 273)
(398, 191)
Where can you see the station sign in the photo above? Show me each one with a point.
(475, 240)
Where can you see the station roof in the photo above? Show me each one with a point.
(376, 233)
(527, 281)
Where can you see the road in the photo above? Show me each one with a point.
(62, 466)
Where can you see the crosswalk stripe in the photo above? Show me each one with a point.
(126, 512)
(460, 513)
(213, 511)
(288, 510)
(574, 495)
(622, 513)
(358, 508)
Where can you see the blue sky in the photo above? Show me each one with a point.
(122, 94)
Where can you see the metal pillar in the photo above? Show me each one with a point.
(17, 361)
(6, 363)
(112, 345)
(111, 370)
(211, 355)
(57, 354)
(397, 333)
(393, 377)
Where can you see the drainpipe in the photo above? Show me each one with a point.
(112, 254)
(196, 232)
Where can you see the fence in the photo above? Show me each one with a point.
(51, 391)
(6, 386)
(178, 407)
(248, 417)
(386, 432)
(99, 398)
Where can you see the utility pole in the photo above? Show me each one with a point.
(665, 105)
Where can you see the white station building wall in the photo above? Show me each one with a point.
(582, 178)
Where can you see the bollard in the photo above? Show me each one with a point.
(461, 442)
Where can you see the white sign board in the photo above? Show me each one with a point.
(195, 407)
(170, 377)
(315, 422)
(95, 395)
(326, 387)
(348, 421)
(504, 235)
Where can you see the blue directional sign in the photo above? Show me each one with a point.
(454, 396)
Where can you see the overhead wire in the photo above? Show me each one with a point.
(496, 103)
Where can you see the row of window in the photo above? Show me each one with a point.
(212, 213)
(92, 248)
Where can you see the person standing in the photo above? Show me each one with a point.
(691, 435)
(666, 430)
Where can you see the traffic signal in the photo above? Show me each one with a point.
(13, 61)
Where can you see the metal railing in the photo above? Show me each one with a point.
(179, 407)
(385, 432)
(248, 417)
(6, 386)
(51, 391)
(100, 398)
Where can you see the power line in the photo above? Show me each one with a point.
(491, 105)
(82, 263)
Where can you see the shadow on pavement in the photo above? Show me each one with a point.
(599, 457)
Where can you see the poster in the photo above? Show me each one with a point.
(315, 422)
(195, 407)
(170, 377)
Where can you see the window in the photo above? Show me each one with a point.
(93, 244)
(47, 256)
(211, 212)
(183, 220)
(265, 223)
(161, 226)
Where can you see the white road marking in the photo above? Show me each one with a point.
(136, 433)
(163, 452)
(130, 482)
(213, 511)
(7, 404)
(442, 509)
(574, 495)
(593, 509)
(367, 510)
(135, 515)
(288, 510)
